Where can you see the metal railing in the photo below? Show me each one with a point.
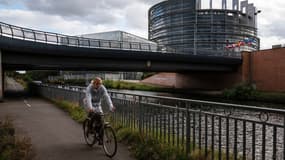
(218, 130)
(60, 39)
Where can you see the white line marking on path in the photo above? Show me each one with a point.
(26, 102)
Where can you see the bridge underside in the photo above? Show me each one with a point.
(20, 54)
(16, 61)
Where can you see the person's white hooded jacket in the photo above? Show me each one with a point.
(95, 96)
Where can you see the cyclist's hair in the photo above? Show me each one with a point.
(97, 80)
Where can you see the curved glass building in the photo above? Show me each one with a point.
(184, 26)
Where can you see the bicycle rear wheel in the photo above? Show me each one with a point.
(109, 141)
(88, 135)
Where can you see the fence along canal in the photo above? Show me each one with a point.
(232, 131)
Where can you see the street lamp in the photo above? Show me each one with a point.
(257, 12)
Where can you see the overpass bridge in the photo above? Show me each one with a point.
(28, 49)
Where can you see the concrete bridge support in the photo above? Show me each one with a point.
(206, 80)
(196, 80)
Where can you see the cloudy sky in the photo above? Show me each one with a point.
(75, 17)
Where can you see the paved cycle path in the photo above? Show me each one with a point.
(54, 135)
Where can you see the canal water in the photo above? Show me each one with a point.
(214, 96)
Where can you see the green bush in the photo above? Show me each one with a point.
(241, 91)
(147, 147)
(76, 112)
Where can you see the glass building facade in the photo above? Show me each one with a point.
(184, 26)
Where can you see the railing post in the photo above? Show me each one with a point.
(274, 156)
(263, 154)
(99, 43)
(177, 125)
(284, 137)
(57, 42)
(227, 138)
(140, 114)
(23, 33)
(206, 135)
(1, 79)
(188, 130)
(12, 33)
(35, 38)
(213, 138)
(89, 43)
(45, 37)
(1, 29)
(253, 141)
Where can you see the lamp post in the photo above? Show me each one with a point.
(255, 23)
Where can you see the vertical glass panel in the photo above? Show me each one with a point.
(230, 4)
(217, 4)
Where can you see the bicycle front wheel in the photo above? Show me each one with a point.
(109, 141)
(88, 135)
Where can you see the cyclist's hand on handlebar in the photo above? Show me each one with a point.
(113, 109)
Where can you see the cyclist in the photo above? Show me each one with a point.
(94, 94)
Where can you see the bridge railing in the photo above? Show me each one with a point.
(60, 39)
(217, 130)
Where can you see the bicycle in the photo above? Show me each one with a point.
(92, 134)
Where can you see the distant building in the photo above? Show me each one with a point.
(189, 27)
(117, 36)
(124, 37)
